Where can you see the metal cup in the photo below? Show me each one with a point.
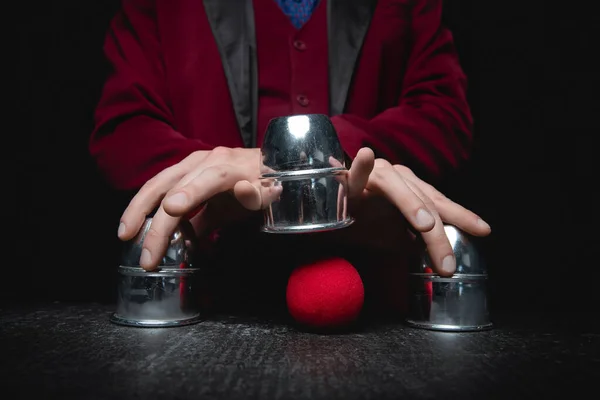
(456, 303)
(166, 296)
(303, 155)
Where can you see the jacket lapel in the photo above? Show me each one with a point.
(232, 24)
(348, 22)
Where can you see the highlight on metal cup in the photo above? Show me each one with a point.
(302, 154)
(164, 297)
(456, 303)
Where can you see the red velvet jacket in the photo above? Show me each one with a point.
(185, 79)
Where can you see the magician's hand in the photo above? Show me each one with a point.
(423, 206)
(226, 177)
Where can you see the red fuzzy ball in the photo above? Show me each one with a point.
(325, 294)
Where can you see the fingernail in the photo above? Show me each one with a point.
(178, 200)
(424, 218)
(145, 257)
(449, 264)
(121, 230)
(483, 224)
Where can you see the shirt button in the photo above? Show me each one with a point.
(302, 100)
(299, 45)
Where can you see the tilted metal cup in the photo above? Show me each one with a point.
(166, 296)
(303, 155)
(456, 303)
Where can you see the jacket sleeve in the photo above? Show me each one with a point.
(430, 130)
(134, 136)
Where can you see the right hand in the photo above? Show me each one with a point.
(187, 186)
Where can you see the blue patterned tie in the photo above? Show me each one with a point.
(298, 11)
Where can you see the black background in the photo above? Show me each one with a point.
(531, 95)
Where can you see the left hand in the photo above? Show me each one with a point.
(422, 205)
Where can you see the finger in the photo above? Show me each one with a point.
(450, 212)
(208, 183)
(248, 195)
(256, 196)
(152, 193)
(387, 182)
(146, 200)
(157, 238)
(335, 163)
(437, 243)
(466, 220)
(359, 173)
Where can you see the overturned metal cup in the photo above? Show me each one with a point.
(166, 296)
(303, 155)
(456, 303)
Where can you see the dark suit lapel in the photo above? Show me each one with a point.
(232, 24)
(348, 22)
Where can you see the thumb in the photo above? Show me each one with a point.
(256, 196)
(359, 173)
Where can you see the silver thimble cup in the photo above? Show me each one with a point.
(457, 303)
(165, 297)
(302, 156)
